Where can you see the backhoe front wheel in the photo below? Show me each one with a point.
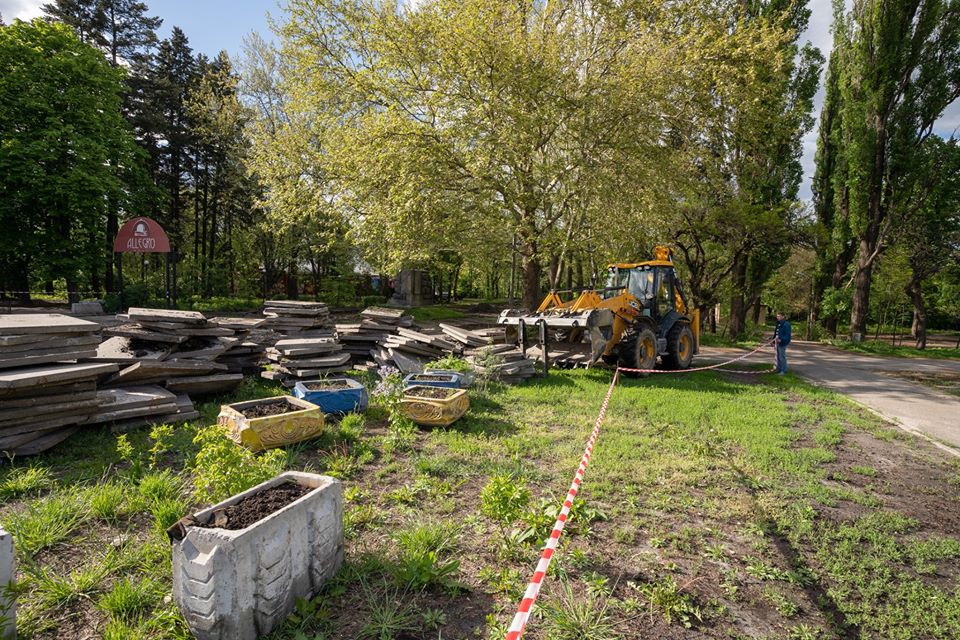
(680, 347)
(639, 352)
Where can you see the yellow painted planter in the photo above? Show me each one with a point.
(268, 432)
(434, 412)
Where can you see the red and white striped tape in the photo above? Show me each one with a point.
(533, 588)
(713, 366)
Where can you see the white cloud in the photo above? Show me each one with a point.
(22, 9)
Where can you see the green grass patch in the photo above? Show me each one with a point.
(886, 349)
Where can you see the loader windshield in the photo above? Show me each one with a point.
(638, 281)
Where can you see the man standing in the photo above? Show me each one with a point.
(782, 335)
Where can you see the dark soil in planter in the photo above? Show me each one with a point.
(437, 393)
(324, 385)
(274, 408)
(431, 378)
(255, 508)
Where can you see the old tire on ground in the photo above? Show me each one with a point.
(639, 352)
(680, 347)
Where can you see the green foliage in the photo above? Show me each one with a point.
(47, 521)
(504, 499)
(25, 481)
(451, 363)
(127, 598)
(222, 468)
(671, 601)
(567, 616)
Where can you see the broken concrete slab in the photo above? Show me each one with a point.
(46, 375)
(13, 325)
(166, 315)
(138, 332)
(43, 343)
(44, 442)
(121, 350)
(26, 359)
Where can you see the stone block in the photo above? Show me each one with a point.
(242, 584)
(90, 308)
(8, 572)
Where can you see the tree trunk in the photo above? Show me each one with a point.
(860, 310)
(531, 278)
(738, 306)
(915, 291)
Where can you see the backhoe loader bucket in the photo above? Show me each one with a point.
(597, 324)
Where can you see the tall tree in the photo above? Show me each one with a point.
(60, 126)
(86, 17)
(897, 69)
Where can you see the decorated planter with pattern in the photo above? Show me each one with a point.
(241, 584)
(434, 406)
(335, 395)
(303, 422)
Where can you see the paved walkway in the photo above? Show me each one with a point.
(866, 379)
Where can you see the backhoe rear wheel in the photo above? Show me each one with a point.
(639, 352)
(680, 347)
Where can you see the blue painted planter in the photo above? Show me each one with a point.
(332, 400)
(466, 377)
(450, 379)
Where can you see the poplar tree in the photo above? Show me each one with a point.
(897, 69)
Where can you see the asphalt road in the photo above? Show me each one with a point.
(867, 380)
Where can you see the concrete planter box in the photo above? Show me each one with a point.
(333, 400)
(8, 573)
(444, 379)
(242, 584)
(417, 405)
(467, 378)
(267, 432)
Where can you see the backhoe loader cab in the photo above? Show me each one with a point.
(640, 314)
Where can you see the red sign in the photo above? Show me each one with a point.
(141, 235)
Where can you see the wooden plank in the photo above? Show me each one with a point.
(46, 375)
(167, 315)
(18, 324)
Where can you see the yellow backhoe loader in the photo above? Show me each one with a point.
(639, 315)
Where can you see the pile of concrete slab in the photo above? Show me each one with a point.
(45, 395)
(472, 338)
(297, 318)
(409, 350)
(136, 406)
(503, 362)
(363, 340)
(295, 360)
(181, 350)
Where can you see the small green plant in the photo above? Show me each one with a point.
(159, 486)
(351, 427)
(784, 606)
(160, 434)
(804, 632)
(422, 555)
(870, 472)
(451, 363)
(401, 433)
(387, 616)
(670, 599)
(567, 616)
(503, 500)
(107, 501)
(597, 584)
(757, 568)
(341, 464)
(222, 468)
(130, 455)
(434, 618)
(47, 521)
(24, 481)
(128, 598)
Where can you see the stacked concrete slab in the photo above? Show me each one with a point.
(503, 362)
(178, 349)
(295, 360)
(45, 394)
(364, 340)
(302, 319)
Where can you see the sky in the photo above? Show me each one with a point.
(213, 25)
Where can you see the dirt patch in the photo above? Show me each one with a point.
(255, 508)
(435, 393)
(426, 377)
(326, 385)
(946, 381)
(272, 408)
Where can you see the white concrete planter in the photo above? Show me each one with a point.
(8, 572)
(240, 585)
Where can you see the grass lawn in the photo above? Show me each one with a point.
(713, 507)
(886, 349)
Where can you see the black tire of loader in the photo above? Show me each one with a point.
(639, 351)
(680, 347)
